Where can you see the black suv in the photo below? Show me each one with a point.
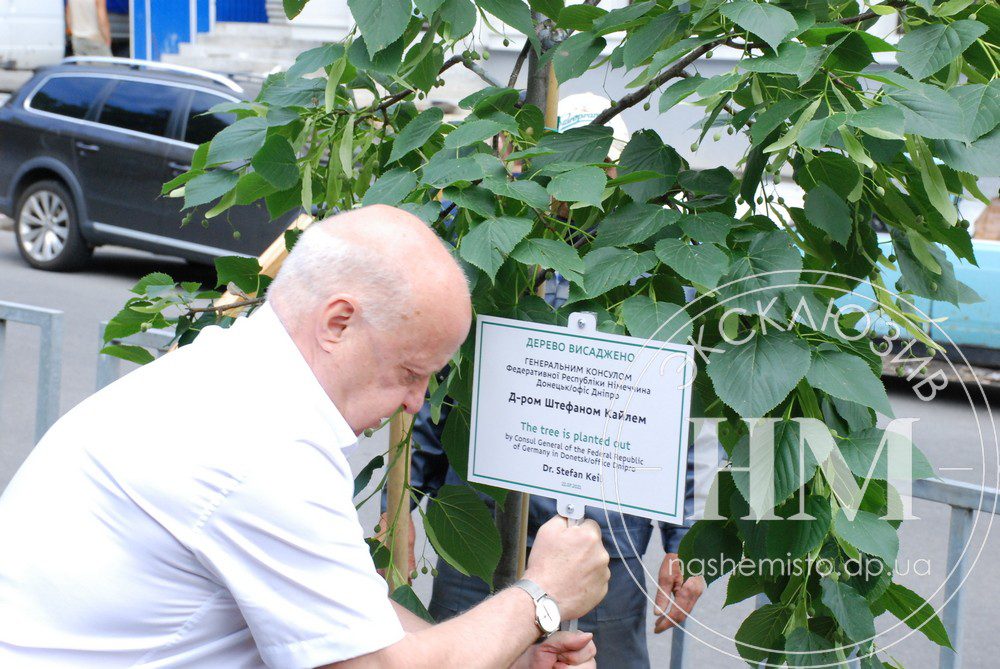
(85, 147)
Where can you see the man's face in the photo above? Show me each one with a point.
(391, 369)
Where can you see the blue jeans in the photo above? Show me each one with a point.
(618, 622)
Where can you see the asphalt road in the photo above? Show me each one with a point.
(946, 431)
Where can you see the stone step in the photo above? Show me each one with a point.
(212, 51)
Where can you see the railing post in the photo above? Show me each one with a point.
(107, 365)
(3, 338)
(677, 660)
(49, 373)
(960, 529)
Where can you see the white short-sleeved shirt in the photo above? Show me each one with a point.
(196, 513)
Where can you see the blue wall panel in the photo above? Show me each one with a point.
(251, 11)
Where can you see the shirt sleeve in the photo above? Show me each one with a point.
(287, 544)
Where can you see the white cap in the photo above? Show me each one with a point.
(582, 108)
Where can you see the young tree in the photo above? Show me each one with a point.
(894, 142)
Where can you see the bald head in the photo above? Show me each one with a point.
(379, 281)
(389, 259)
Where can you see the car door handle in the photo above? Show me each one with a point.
(87, 147)
(180, 167)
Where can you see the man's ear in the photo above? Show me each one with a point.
(337, 315)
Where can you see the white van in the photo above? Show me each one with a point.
(32, 33)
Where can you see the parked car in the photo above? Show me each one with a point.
(85, 147)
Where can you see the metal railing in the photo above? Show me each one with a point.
(109, 367)
(965, 499)
(49, 323)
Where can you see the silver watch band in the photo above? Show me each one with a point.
(531, 588)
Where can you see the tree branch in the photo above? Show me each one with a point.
(518, 64)
(672, 72)
(393, 99)
(483, 74)
(227, 307)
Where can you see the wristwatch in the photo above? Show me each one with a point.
(546, 610)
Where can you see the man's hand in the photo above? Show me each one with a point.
(383, 534)
(684, 592)
(569, 562)
(562, 649)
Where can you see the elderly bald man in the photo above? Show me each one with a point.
(198, 512)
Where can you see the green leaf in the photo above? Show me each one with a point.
(461, 15)
(136, 354)
(978, 158)
(791, 58)
(662, 321)
(838, 172)
(769, 261)
(918, 614)
(455, 441)
(608, 268)
(621, 18)
(441, 171)
(587, 144)
(980, 106)
(923, 281)
(849, 608)
(583, 184)
(712, 544)
(807, 649)
(487, 245)
(828, 212)
(244, 272)
(574, 55)
(514, 13)
(416, 133)
(848, 377)
(382, 22)
(550, 254)
(644, 42)
(391, 188)
(293, 7)
(633, 224)
(313, 60)
(769, 22)
(524, 190)
(756, 376)
(679, 91)
(789, 137)
(207, 187)
(883, 121)
(927, 49)
(793, 467)
(473, 198)
(471, 132)
(579, 17)
(816, 133)
(795, 538)
(927, 110)
(719, 84)
(761, 633)
(868, 533)
(710, 227)
(463, 527)
(276, 162)
(252, 187)
(405, 596)
(860, 451)
(646, 151)
(703, 264)
(774, 116)
(740, 587)
(364, 477)
(238, 141)
(151, 279)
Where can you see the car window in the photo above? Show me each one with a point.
(142, 107)
(67, 96)
(201, 126)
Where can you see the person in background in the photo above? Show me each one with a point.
(619, 621)
(88, 27)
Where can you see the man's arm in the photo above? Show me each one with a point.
(569, 563)
(410, 621)
(103, 23)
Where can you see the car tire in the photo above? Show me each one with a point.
(47, 228)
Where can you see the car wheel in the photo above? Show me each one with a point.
(48, 228)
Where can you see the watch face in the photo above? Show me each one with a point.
(548, 614)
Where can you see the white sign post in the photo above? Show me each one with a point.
(581, 416)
